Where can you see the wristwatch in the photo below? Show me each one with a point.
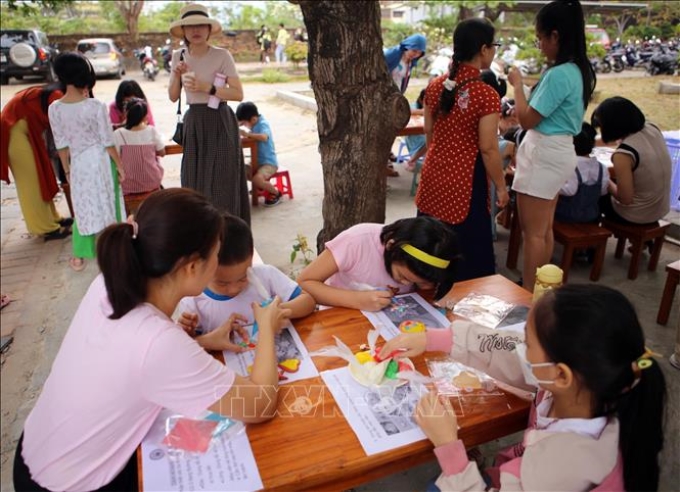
(213, 90)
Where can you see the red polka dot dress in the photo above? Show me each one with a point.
(454, 187)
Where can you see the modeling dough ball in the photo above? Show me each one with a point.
(410, 326)
(364, 357)
(290, 365)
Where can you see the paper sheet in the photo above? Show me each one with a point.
(380, 418)
(405, 307)
(228, 464)
(288, 346)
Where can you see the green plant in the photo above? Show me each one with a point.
(272, 76)
(297, 52)
(301, 246)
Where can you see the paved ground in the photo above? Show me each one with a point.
(46, 292)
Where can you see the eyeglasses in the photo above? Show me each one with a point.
(497, 45)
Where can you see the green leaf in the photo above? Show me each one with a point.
(293, 254)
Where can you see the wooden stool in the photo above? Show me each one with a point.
(581, 236)
(672, 281)
(638, 235)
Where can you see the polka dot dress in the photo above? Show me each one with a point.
(445, 189)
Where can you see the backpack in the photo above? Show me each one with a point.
(583, 206)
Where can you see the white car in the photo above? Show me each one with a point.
(104, 55)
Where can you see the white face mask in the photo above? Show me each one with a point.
(527, 367)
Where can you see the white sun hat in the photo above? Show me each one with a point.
(193, 14)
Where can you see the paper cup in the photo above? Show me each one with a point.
(186, 76)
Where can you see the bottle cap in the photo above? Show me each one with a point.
(549, 273)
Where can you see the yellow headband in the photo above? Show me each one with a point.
(425, 257)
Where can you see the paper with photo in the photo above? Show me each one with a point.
(381, 418)
(228, 464)
(406, 307)
(288, 346)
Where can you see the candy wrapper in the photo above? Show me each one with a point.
(183, 434)
(365, 367)
(484, 310)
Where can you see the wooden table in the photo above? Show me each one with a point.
(246, 143)
(319, 450)
(415, 126)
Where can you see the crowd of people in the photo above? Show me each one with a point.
(188, 252)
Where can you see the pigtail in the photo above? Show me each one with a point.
(119, 263)
(448, 96)
(640, 411)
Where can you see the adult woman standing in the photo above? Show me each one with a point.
(212, 162)
(123, 359)
(461, 126)
(552, 115)
(23, 150)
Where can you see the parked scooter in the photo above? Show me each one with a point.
(663, 63)
(166, 55)
(147, 62)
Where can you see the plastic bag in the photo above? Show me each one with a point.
(183, 434)
(484, 310)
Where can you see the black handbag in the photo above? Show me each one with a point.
(178, 137)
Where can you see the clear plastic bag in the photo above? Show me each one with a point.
(183, 434)
(483, 309)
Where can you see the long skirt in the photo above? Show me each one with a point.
(41, 216)
(212, 162)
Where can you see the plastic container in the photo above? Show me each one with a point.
(220, 80)
(548, 277)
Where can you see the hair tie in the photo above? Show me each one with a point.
(449, 84)
(135, 227)
(425, 257)
(641, 363)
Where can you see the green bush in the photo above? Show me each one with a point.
(272, 76)
(297, 52)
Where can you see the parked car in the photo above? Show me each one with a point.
(106, 58)
(599, 36)
(25, 52)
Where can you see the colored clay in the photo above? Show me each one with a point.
(364, 357)
(392, 369)
(290, 365)
(410, 326)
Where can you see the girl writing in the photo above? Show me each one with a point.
(139, 146)
(84, 139)
(597, 420)
(364, 266)
(123, 358)
(552, 116)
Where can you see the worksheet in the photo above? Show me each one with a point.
(406, 307)
(381, 418)
(228, 464)
(295, 363)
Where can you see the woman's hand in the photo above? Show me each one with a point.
(435, 416)
(503, 197)
(374, 300)
(222, 339)
(515, 77)
(189, 323)
(405, 345)
(180, 68)
(271, 317)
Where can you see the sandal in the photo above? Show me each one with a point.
(4, 301)
(66, 222)
(60, 233)
(77, 264)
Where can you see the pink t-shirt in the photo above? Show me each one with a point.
(359, 255)
(108, 383)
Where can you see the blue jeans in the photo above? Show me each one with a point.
(281, 54)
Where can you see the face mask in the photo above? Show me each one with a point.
(527, 367)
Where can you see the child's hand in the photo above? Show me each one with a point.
(374, 300)
(189, 322)
(270, 318)
(405, 345)
(222, 334)
(121, 174)
(435, 416)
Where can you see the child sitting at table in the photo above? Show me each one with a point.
(579, 196)
(139, 145)
(416, 143)
(597, 420)
(366, 265)
(267, 163)
(225, 305)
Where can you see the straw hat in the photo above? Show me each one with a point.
(193, 15)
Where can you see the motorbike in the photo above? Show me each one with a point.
(147, 63)
(166, 55)
(663, 63)
(601, 65)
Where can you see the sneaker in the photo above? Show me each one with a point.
(272, 201)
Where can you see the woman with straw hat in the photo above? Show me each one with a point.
(213, 159)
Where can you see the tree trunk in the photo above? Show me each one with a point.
(130, 10)
(360, 110)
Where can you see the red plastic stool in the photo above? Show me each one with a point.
(283, 183)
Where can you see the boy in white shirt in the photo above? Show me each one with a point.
(226, 304)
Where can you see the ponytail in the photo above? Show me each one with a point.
(122, 271)
(135, 112)
(640, 412)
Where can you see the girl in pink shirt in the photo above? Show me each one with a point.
(123, 359)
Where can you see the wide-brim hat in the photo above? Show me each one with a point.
(193, 14)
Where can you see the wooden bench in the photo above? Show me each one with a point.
(581, 236)
(672, 281)
(638, 235)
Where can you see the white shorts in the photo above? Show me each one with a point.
(543, 164)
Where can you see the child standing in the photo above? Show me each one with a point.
(552, 116)
(248, 116)
(364, 266)
(226, 303)
(579, 197)
(84, 139)
(139, 146)
(597, 420)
